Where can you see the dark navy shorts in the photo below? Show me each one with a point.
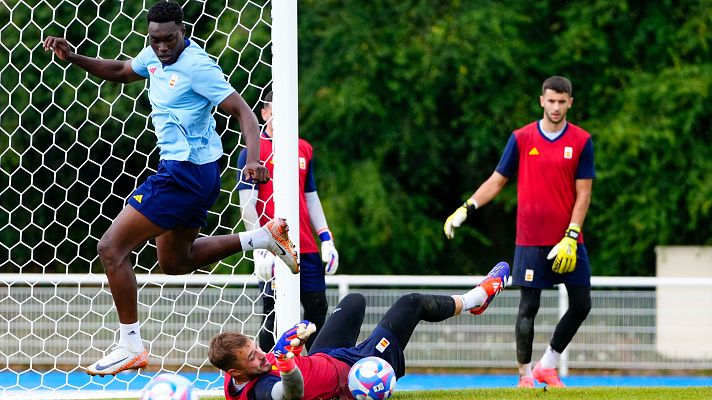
(311, 275)
(179, 194)
(381, 343)
(532, 269)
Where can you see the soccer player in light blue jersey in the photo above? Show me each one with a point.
(171, 205)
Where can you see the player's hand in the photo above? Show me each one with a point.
(329, 255)
(291, 343)
(257, 172)
(60, 46)
(457, 218)
(565, 251)
(264, 264)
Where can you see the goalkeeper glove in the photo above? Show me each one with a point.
(264, 264)
(565, 251)
(291, 343)
(328, 253)
(458, 217)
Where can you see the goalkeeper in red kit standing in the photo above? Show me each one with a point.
(553, 162)
(258, 209)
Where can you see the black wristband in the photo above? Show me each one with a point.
(469, 206)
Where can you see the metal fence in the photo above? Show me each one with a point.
(64, 321)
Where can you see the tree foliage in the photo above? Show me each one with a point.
(408, 105)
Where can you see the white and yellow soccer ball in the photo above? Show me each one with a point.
(168, 387)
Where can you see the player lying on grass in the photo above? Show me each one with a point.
(250, 374)
(185, 84)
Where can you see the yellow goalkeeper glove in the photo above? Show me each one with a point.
(565, 251)
(458, 217)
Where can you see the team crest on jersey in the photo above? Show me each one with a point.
(173, 81)
(534, 152)
(568, 152)
(302, 163)
(382, 345)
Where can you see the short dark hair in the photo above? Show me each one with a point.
(559, 84)
(222, 348)
(165, 11)
(267, 99)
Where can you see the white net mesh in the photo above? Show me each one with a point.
(72, 149)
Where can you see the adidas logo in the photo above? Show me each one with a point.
(248, 242)
(138, 198)
(152, 69)
(534, 152)
(132, 333)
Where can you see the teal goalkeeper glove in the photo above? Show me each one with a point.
(458, 217)
(565, 251)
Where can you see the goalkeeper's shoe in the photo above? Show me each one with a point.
(120, 359)
(525, 381)
(548, 377)
(493, 283)
(279, 243)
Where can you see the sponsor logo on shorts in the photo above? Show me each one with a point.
(529, 275)
(382, 345)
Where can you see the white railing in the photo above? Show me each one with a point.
(51, 318)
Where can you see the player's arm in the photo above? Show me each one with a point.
(487, 191)
(287, 347)
(564, 253)
(109, 70)
(236, 106)
(329, 255)
(583, 201)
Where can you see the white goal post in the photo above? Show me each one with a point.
(73, 148)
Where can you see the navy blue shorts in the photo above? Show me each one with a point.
(532, 269)
(381, 343)
(179, 194)
(311, 274)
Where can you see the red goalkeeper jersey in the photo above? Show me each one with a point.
(265, 191)
(324, 378)
(546, 171)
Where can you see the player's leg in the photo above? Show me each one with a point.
(266, 335)
(313, 292)
(129, 230)
(579, 307)
(566, 328)
(405, 314)
(529, 302)
(343, 326)
(578, 286)
(178, 198)
(532, 273)
(315, 307)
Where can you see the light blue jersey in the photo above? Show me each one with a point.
(182, 96)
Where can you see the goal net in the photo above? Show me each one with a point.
(72, 149)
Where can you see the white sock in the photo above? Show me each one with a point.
(550, 358)
(256, 239)
(525, 369)
(130, 337)
(473, 298)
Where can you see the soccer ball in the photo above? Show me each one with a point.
(372, 378)
(168, 387)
